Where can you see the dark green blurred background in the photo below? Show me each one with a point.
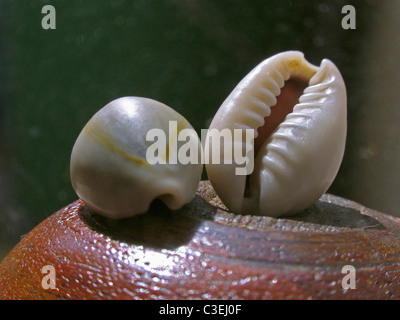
(188, 54)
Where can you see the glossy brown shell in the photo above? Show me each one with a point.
(204, 252)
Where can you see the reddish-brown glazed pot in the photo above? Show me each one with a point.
(202, 251)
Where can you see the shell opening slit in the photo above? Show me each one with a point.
(286, 100)
(288, 97)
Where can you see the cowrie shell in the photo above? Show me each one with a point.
(298, 114)
(110, 170)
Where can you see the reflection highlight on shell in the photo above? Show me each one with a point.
(298, 112)
(109, 166)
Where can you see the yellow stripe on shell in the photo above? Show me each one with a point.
(103, 139)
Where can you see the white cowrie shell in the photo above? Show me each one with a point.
(299, 142)
(109, 168)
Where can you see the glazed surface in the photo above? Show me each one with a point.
(202, 251)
